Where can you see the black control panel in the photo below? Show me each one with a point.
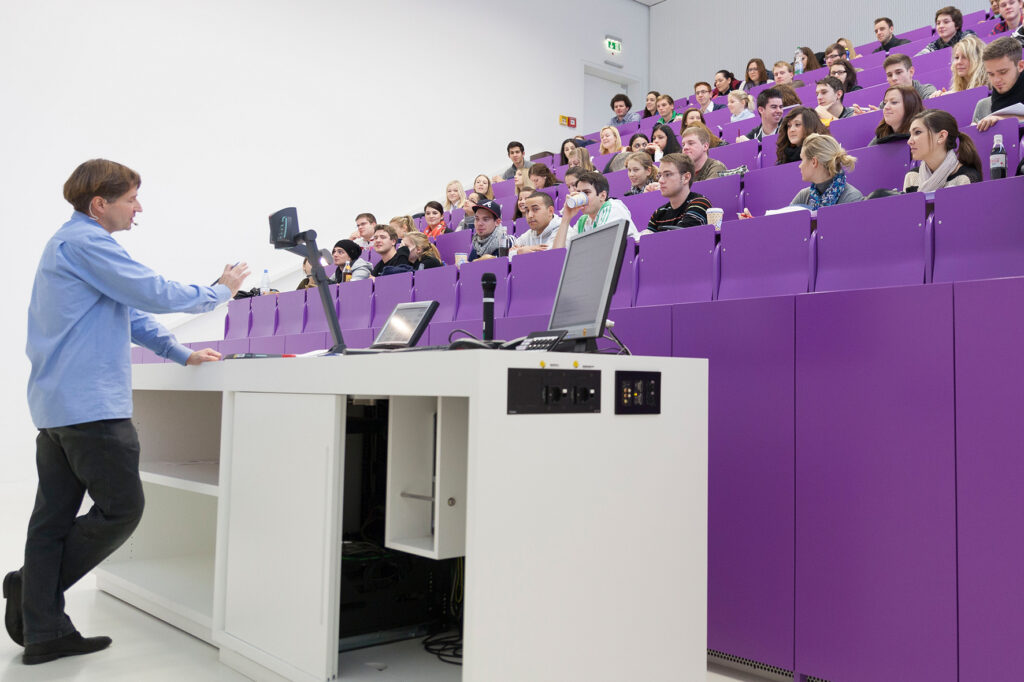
(637, 392)
(553, 391)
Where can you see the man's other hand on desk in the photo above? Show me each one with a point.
(204, 355)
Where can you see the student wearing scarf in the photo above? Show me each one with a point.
(949, 24)
(434, 214)
(488, 233)
(1003, 66)
(823, 163)
(933, 141)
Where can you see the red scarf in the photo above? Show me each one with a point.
(437, 231)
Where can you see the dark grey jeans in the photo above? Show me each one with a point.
(100, 457)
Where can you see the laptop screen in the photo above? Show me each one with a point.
(405, 325)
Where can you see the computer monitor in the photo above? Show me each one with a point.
(589, 277)
(405, 325)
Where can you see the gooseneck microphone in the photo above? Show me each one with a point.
(488, 282)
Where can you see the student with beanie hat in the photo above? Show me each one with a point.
(351, 266)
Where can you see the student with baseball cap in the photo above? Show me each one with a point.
(489, 234)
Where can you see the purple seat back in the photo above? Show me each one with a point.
(766, 256)
(601, 160)
(806, 92)
(914, 46)
(871, 76)
(264, 316)
(266, 344)
(767, 156)
(923, 33)
(238, 319)
(730, 131)
(627, 129)
(618, 183)
(983, 28)
(928, 63)
(723, 193)
(504, 189)
(812, 76)
(973, 18)
(455, 218)
(625, 290)
(869, 62)
(470, 294)
(867, 244)
(735, 154)
(453, 242)
(387, 293)
(533, 281)
(880, 167)
(438, 284)
(866, 96)
(675, 266)
(856, 131)
(355, 304)
(717, 118)
(315, 320)
(974, 237)
(641, 206)
(291, 311)
(960, 104)
(771, 187)
(371, 256)
(983, 141)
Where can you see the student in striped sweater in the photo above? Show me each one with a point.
(684, 208)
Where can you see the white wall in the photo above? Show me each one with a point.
(730, 35)
(231, 109)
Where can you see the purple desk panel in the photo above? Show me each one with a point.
(750, 468)
(875, 488)
(990, 477)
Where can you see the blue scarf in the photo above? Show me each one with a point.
(831, 195)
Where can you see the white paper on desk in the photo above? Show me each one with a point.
(1012, 110)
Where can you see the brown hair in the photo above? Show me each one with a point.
(583, 155)
(700, 132)
(912, 106)
(390, 230)
(812, 124)
(954, 14)
(682, 163)
(1002, 47)
(898, 58)
(936, 120)
(542, 171)
(99, 178)
(812, 61)
(405, 221)
(368, 216)
(762, 72)
(789, 96)
(645, 160)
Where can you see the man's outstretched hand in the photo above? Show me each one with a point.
(234, 276)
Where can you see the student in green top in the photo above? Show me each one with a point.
(667, 113)
(592, 200)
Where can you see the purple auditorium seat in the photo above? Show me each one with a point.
(532, 283)
(983, 28)
(806, 92)
(266, 344)
(974, 236)
(868, 244)
(387, 293)
(880, 167)
(264, 316)
(983, 141)
(595, 136)
(869, 62)
(455, 218)
(931, 62)
(810, 77)
(556, 195)
(625, 290)
(646, 126)
(371, 256)
(675, 266)
(618, 183)
(734, 155)
(438, 284)
(315, 320)
(519, 227)
(723, 193)
(559, 171)
(231, 346)
(600, 160)
(866, 97)
(766, 157)
(923, 33)
(239, 319)
(354, 303)
(505, 188)
(730, 131)
(470, 296)
(913, 47)
(677, 125)
(641, 206)
(626, 130)
(291, 311)
(718, 117)
(304, 343)
(973, 18)
(453, 242)
(767, 256)
(771, 188)
(960, 104)
(938, 74)
(872, 76)
(420, 222)
(856, 131)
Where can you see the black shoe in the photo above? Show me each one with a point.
(68, 645)
(12, 617)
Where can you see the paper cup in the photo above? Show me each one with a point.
(461, 258)
(715, 218)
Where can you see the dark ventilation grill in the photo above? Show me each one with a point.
(815, 679)
(734, 661)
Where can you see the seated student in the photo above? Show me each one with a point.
(769, 108)
(783, 72)
(663, 141)
(796, 126)
(666, 113)
(702, 93)
(651, 104)
(695, 143)
(540, 216)
(833, 52)
(366, 223)
(638, 142)
(597, 211)
(611, 143)
(899, 105)
(886, 36)
(541, 176)
(392, 260)
(572, 175)
(993, 12)
(521, 196)
(757, 74)
(482, 186)
(693, 115)
(789, 96)
(685, 208)
(967, 69)
(641, 171)
(422, 254)
(403, 224)
(830, 100)
(851, 51)
(306, 282)
(822, 163)
(621, 105)
(949, 23)
(739, 106)
(454, 195)
(899, 70)
(847, 75)
(808, 60)
(1010, 12)
(517, 154)
(1003, 66)
(948, 158)
(433, 212)
(567, 146)
(724, 82)
(489, 235)
(581, 157)
(467, 220)
(348, 258)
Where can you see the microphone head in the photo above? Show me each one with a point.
(488, 278)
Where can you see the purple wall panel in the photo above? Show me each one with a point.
(875, 502)
(990, 477)
(645, 331)
(750, 466)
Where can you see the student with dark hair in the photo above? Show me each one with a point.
(949, 23)
(596, 207)
(651, 104)
(846, 73)
(366, 223)
(571, 176)
(543, 223)
(947, 157)
(392, 260)
(517, 154)
(789, 96)
(809, 59)
(830, 100)
(638, 142)
(621, 105)
(823, 163)
(798, 123)
(833, 52)
(663, 141)
(1003, 66)
(757, 74)
(886, 37)
(899, 70)
(685, 208)
(666, 110)
(541, 176)
(350, 266)
(899, 105)
(568, 145)
(702, 92)
(769, 108)
(724, 82)
(641, 171)
(489, 235)
(433, 212)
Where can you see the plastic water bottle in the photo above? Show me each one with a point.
(265, 283)
(997, 159)
(798, 63)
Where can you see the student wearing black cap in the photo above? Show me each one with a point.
(351, 267)
(488, 233)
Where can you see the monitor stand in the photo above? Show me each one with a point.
(320, 277)
(577, 346)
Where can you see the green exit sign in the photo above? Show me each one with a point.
(613, 45)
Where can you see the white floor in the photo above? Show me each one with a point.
(145, 649)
